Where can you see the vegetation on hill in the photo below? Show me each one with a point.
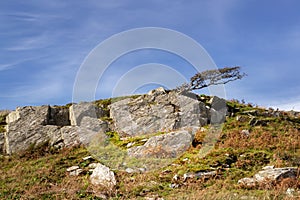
(269, 138)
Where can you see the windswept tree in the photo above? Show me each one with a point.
(212, 77)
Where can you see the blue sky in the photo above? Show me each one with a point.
(43, 44)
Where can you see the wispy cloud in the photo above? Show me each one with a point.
(13, 64)
(30, 43)
(22, 16)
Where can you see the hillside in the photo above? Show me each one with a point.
(251, 138)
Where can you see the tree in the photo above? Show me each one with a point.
(212, 77)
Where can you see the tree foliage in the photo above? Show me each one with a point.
(212, 77)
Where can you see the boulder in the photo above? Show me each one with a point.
(276, 174)
(201, 175)
(13, 116)
(86, 109)
(192, 112)
(157, 91)
(157, 111)
(245, 132)
(169, 145)
(27, 128)
(103, 176)
(21, 139)
(218, 110)
(31, 126)
(269, 175)
(29, 115)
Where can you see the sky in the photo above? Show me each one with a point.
(43, 45)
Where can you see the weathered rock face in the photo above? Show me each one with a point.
(158, 111)
(169, 145)
(32, 126)
(30, 116)
(26, 128)
(59, 116)
(86, 109)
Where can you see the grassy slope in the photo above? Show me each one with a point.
(41, 174)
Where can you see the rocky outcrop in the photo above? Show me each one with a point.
(169, 145)
(159, 110)
(269, 174)
(29, 127)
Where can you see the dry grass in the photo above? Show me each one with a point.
(41, 174)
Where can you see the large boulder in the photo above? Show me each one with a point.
(28, 116)
(25, 128)
(169, 145)
(159, 110)
(29, 127)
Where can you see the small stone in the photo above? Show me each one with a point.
(175, 177)
(73, 168)
(268, 167)
(245, 132)
(205, 175)
(130, 170)
(130, 144)
(186, 176)
(87, 158)
(100, 195)
(142, 170)
(76, 172)
(249, 182)
(174, 185)
(290, 191)
(185, 159)
(93, 165)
